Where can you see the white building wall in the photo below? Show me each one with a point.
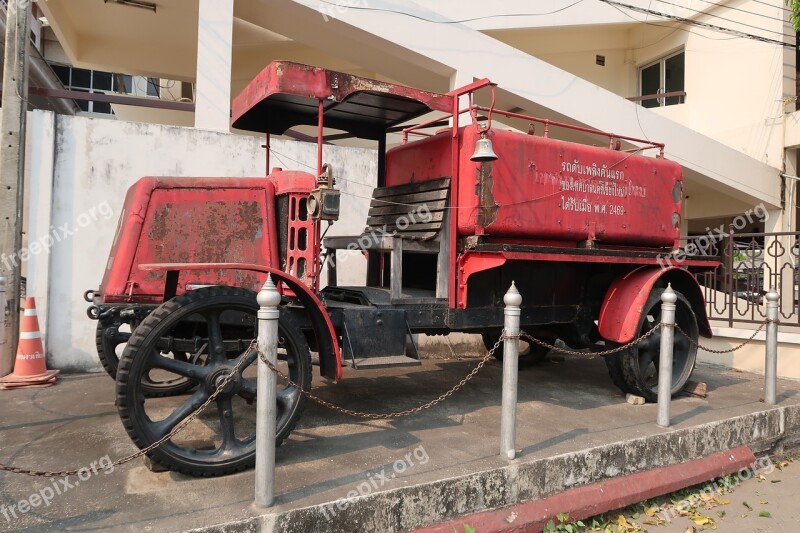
(735, 86)
(82, 170)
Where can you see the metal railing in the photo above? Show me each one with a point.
(266, 346)
(681, 95)
(111, 98)
(750, 263)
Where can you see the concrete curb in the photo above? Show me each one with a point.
(591, 500)
(418, 506)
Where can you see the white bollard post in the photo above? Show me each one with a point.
(771, 367)
(2, 310)
(668, 300)
(266, 409)
(508, 420)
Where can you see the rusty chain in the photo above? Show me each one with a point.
(127, 459)
(592, 354)
(188, 420)
(359, 414)
(643, 337)
(387, 416)
(739, 347)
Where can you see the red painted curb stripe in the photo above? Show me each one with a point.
(591, 500)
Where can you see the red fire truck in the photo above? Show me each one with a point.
(460, 208)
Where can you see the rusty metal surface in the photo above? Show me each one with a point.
(471, 263)
(297, 233)
(542, 188)
(286, 94)
(200, 220)
(625, 299)
(330, 353)
(548, 188)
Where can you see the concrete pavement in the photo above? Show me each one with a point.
(757, 505)
(574, 428)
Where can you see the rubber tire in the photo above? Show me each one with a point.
(110, 363)
(127, 397)
(615, 372)
(534, 353)
(685, 317)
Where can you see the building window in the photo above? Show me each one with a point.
(153, 87)
(667, 75)
(92, 81)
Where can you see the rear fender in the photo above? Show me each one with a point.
(330, 358)
(625, 299)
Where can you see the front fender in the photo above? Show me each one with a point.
(330, 358)
(622, 307)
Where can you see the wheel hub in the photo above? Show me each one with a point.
(218, 376)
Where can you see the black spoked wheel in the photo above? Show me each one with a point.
(216, 325)
(528, 352)
(111, 339)
(640, 362)
(615, 372)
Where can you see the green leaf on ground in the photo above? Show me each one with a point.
(765, 514)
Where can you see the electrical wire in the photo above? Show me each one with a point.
(674, 29)
(737, 33)
(770, 5)
(620, 7)
(715, 4)
(727, 19)
(460, 21)
(684, 20)
(638, 105)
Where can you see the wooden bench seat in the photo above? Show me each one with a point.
(403, 218)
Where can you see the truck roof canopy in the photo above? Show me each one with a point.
(287, 94)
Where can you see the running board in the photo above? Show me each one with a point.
(375, 337)
(384, 362)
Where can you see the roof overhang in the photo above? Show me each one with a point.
(287, 94)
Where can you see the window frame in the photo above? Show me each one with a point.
(70, 85)
(662, 75)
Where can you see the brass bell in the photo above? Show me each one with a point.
(483, 150)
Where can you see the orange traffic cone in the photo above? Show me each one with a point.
(30, 369)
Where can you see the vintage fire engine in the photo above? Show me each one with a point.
(455, 216)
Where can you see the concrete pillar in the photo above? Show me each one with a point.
(458, 79)
(685, 218)
(12, 170)
(790, 213)
(214, 58)
(39, 205)
(779, 273)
